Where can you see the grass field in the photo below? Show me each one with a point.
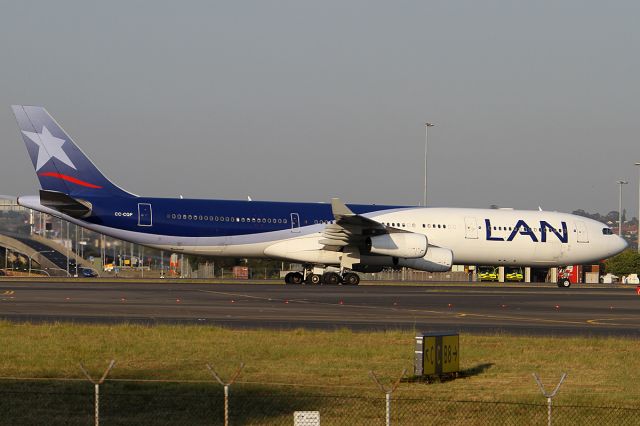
(289, 370)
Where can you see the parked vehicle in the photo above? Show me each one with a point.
(609, 279)
(87, 272)
(486, 273)
(514, 274)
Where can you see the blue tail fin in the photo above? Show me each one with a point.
(60, 165)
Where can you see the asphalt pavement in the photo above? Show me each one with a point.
(535, 310)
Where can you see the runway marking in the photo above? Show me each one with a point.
(605, 321)
(8, 295)
(415, 311)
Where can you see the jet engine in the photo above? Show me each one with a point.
(436, 259)
(402, 244)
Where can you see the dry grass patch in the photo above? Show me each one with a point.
(602, 371)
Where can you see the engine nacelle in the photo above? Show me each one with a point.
(437, 259)
(402, 244)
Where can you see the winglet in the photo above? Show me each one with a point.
(339, 209)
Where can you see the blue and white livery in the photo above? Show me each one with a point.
(336, 236)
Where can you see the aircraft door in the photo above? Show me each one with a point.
(470, 228)
(145, 217)
(295, 222)
(583, 236)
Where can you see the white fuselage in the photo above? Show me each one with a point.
(475, 236)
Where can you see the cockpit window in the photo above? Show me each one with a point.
(607, 231)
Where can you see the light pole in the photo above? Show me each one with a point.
(426, 144)
(620, 182)
(638, 236)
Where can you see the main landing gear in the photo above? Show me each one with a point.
(327, 278)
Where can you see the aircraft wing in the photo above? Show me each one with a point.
(350, 229)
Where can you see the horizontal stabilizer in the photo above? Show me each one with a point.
(65, 204)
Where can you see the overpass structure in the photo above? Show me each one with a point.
(51, 256)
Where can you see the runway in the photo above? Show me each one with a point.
(516, 310)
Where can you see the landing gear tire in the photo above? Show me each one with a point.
(293, 278)
(564, 283)
(331, 278)
(351, 279)
(314, 279)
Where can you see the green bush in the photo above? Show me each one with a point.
(625, 263)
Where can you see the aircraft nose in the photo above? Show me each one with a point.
(619, 245)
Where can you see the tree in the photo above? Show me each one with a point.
(12, 259)
(625, 263)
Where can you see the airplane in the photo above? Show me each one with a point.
(333, 241)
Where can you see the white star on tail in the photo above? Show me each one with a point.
(48, 146)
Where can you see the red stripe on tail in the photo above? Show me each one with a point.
(70, 179)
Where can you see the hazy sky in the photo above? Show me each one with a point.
(535, 103)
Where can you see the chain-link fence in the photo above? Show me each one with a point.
(127, 402)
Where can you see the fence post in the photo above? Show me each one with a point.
(388, 390)
(226, 388)
(96, 388)
(549, 396)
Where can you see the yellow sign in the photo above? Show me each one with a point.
(437, 353)
(429, 354)
(450, 354)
